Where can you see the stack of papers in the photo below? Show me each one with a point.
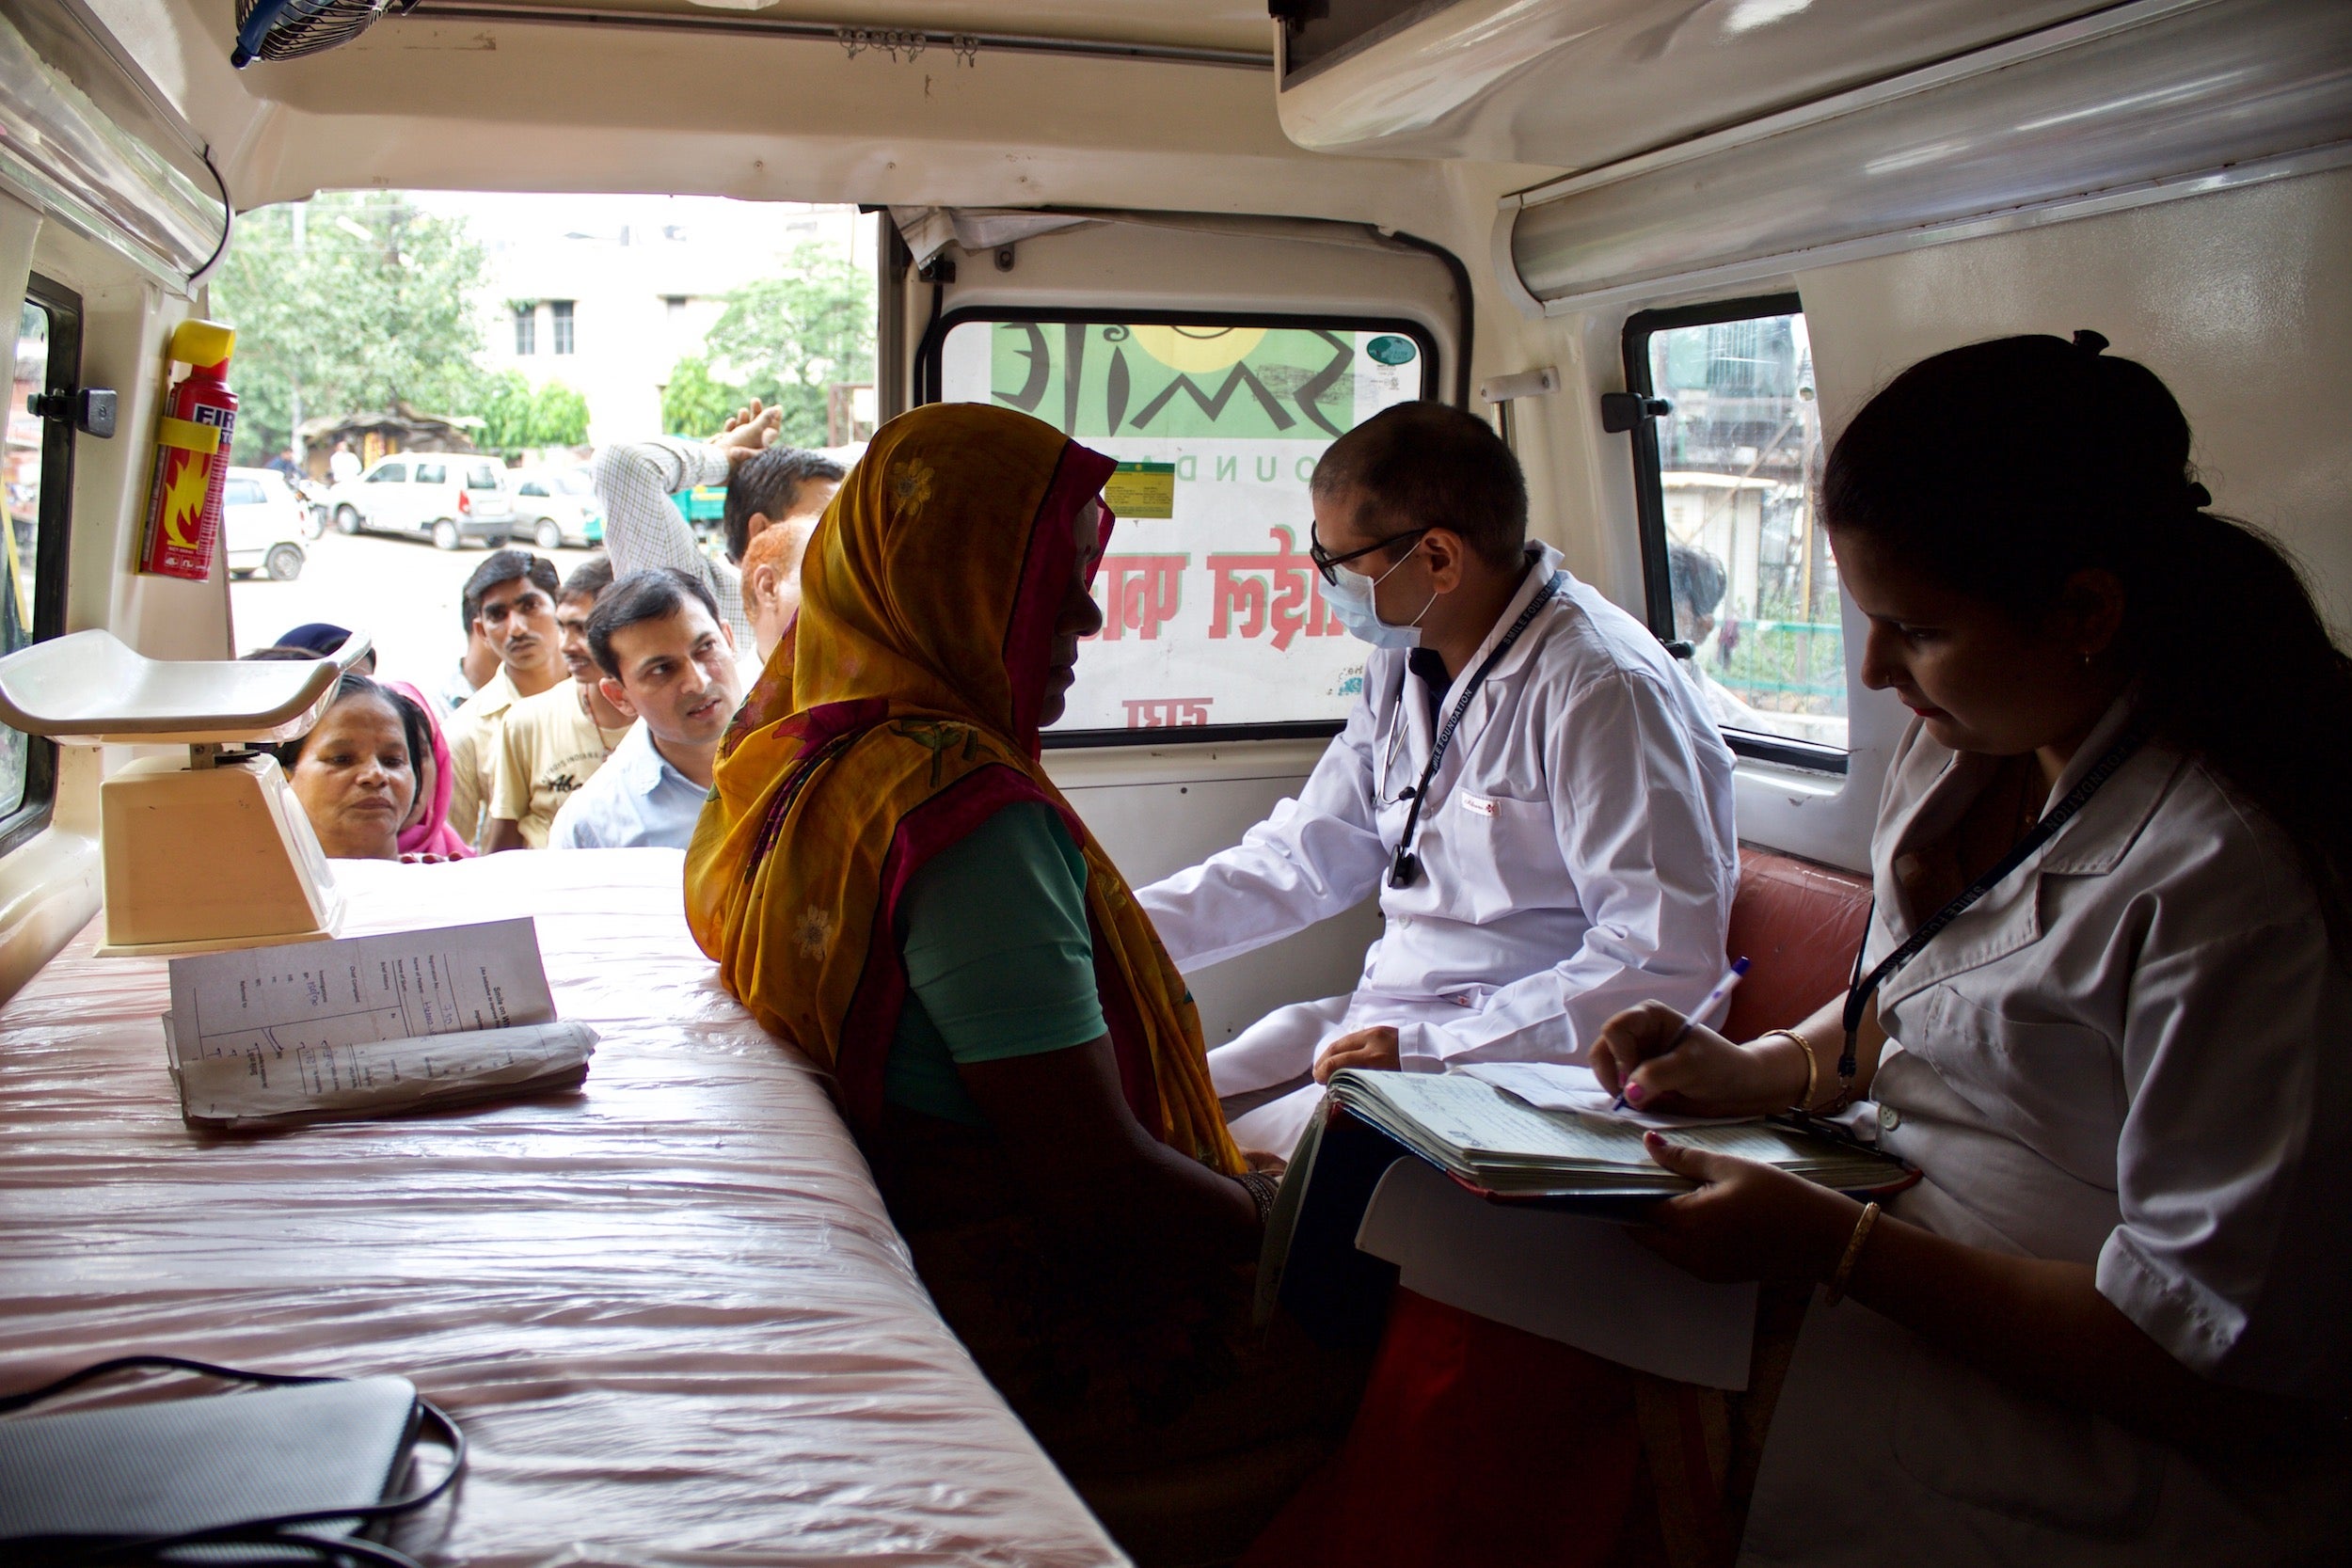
(368, 1026)
(1500, 1144)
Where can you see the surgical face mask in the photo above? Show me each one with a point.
(1352, 600)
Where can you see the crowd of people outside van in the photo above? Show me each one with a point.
(583, 712)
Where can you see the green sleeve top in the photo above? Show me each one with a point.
(999, 959)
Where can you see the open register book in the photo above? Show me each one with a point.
(368, 1026)
(1504, 1148)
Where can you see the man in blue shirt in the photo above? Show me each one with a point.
(668, 661)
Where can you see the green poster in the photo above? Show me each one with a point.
(1099, 378)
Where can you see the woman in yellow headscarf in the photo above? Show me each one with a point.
(887, 878)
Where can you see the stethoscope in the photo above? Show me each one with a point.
(1405, 867)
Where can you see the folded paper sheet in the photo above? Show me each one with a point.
(368, 1026)
(262, 1084)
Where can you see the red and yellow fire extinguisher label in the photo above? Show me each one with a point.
(191, 455)
(184, 475)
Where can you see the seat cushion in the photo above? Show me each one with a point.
(1799, 925)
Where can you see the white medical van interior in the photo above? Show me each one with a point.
(1667, 248)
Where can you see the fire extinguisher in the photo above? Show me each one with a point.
(191, 454)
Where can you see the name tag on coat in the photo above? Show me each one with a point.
(1477, 804)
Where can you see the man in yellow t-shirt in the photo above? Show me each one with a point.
(511, 599)
(555, 742)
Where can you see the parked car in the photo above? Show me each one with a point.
(261, 524)
(554, 507)
(447, 497)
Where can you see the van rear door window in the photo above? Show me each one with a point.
(1215, 621)
(1739, 565)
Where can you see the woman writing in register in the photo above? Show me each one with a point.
(887, 878)
(2111, 1322)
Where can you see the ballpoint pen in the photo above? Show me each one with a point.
(1714, 999)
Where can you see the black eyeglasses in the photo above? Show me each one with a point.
(1329, 564)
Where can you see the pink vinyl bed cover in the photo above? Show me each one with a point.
(670, 1310)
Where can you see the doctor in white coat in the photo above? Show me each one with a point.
(1540, 803)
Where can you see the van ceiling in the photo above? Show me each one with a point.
(555, 95)
(1238, 26)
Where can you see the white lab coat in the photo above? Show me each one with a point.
(1577, 858)
(2130, 1054)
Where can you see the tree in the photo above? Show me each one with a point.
(350, 302)
(504, 402)
(559, 417)
(696, 403)
(788, 338)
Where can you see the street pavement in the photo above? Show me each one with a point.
(403, 592)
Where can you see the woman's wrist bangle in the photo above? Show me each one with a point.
(1262, 1186)
(1812, 1066)
(1838, 1281)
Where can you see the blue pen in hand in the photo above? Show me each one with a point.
(1714, 999)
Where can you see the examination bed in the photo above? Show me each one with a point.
(669, 1309)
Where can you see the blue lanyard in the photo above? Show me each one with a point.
(1405, 869)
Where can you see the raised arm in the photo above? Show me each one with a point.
(644, 529)
(635, 480)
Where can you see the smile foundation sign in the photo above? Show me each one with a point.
(1213, 612)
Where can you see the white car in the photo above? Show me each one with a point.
(447, 496)
(554, 507)
(261, 524)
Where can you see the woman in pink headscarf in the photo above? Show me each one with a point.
(427, 831)
(426, 834)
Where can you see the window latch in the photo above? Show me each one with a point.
(1622, 411)
(88, 409)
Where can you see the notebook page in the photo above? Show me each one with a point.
(1489, 1126)
(403, 985)
(1558, 1087)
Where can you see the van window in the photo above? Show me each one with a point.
(1215, 620)
(531, 487)
(241, 492)
(38, 471)
(432, 473)
(390, 473)
(1739, 566)
(482, 477)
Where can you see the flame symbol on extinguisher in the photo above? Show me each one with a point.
(184, 499)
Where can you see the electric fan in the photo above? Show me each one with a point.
(289, 29)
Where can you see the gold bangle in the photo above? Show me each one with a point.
(1812, 1067)
(1838, 1281)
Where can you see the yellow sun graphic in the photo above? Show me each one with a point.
(1195, 350)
